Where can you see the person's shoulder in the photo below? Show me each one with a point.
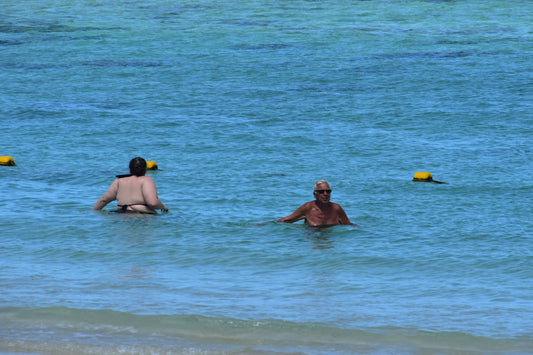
(307, 205)
(336, 206)
(146, 180)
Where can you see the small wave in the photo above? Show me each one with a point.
(88, 331)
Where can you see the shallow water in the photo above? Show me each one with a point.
(244, 105)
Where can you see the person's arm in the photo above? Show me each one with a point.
(297, 215)
(149, 191)
(343, 218)
(110, 195)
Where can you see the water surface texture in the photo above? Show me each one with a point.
(244, 105)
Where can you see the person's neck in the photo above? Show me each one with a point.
(322, 205)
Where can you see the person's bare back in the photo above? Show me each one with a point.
(138, 194)
(134, 193)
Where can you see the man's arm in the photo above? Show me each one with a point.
(110, 195)
(297, 215)
(343, 218)
(149, 191)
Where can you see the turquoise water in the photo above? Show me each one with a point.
(244, 105)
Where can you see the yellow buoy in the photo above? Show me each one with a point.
(7, 161)
(151, 165)
(422, 176)
(425, 176)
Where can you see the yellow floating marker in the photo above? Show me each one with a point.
(7, 161)
(151, 165)
(425, 176)
(422, 176)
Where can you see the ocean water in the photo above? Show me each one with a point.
(243, 105)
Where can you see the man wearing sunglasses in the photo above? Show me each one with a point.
(321, 212)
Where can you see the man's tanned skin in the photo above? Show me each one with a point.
(321, 212)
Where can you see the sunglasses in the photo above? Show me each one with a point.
(320, 192)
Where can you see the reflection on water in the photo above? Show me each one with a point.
(135, 273)
(320, 236)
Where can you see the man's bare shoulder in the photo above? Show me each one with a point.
(144, 179)
(336, 206)
(308, 205)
